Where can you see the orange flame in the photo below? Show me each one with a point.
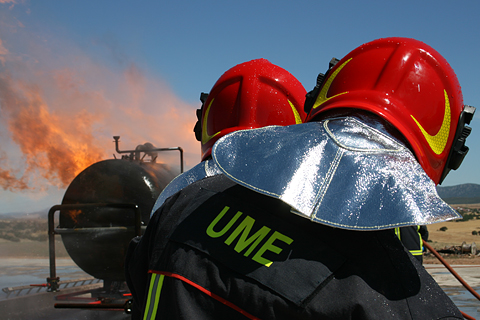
(73, 214)
(63, 119)
(10, 182)
(55, 146)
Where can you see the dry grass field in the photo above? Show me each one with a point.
(455, 234)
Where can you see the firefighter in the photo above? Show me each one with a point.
(412, 238)
(299, 225)
(250, 95)
(385, 125)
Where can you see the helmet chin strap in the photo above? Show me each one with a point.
(459, 150)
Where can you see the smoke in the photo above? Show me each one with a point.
(11, 2)
(3, 53)
(54, 146)
(9, 180)
(61, 117)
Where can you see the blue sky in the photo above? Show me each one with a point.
(130, 62)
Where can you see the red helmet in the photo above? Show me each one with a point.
(410, 85)
(250, 95)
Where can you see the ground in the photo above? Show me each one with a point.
(455, 234)
(30, 249)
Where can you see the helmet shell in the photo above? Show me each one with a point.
(250, 95)
(407, 83)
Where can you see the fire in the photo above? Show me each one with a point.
(10, 182)
(73, 215)
(54, 146)
(57, 119)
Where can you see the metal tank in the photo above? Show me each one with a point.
(105, 206)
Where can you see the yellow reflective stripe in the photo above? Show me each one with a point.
(205, 136)
(413, 252)
(416, 252)
(298, 119)
(420, 240)
(156, 283)
(322, 96)
(397, 232)
(438, 142)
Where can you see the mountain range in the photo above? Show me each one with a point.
(463, 193)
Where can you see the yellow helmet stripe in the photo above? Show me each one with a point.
(298, 119)
(322, 96)
(438, 141)
(205, 136)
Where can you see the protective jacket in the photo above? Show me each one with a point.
(217, 250)
(411, 238)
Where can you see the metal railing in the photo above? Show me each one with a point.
(53, 280)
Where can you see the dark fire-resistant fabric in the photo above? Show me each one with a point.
(310, 257)
(298, 269)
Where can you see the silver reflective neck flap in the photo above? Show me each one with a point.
(202, 170)
(339, 172)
